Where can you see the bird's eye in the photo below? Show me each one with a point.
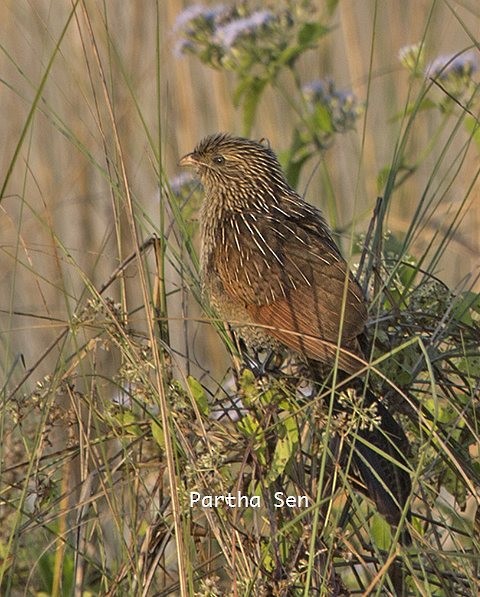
(219, 160)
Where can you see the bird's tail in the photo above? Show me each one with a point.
(379, 451)
(379, 455)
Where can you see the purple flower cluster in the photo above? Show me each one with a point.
(227, 35)
(341, 107)
(454, 66)
(454, 71)
(196, 25)
(257, 42)
(190, 15)
(213, 32)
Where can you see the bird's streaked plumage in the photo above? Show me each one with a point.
(268, 258)
(273, 271)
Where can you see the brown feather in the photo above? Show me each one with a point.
(293, 328)
(295, 282)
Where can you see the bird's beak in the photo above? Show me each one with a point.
(188, 160)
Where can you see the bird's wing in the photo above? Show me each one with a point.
(290, 277)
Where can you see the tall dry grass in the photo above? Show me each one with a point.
(96, 109)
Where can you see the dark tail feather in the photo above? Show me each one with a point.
(375, 456)
(380, 454)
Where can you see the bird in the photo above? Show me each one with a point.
(272, 270)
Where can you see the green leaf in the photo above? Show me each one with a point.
(310, 33)
(289, 55)
(157, 434)
(294, 170)
(382, 178)
(323, 119)
(295, 157)
(306, 38)
(250, 426)
(240, 90)
(252, 429)
(380, 532)
(407, 272)
(470, 366)
(199, 395)
(127, 421)
(268, 562)
(473, 127)
(331, 6)
(414, 108)
(467, 304)
(249, 388)
(284, 449)
(251, 96)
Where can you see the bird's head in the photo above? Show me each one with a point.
(238, 169)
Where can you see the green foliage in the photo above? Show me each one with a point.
(466, 308)
(46, 567)
(285, 448)
(199, 395)
(259, 47)
(253, 431)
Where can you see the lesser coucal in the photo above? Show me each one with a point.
(273, 271)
